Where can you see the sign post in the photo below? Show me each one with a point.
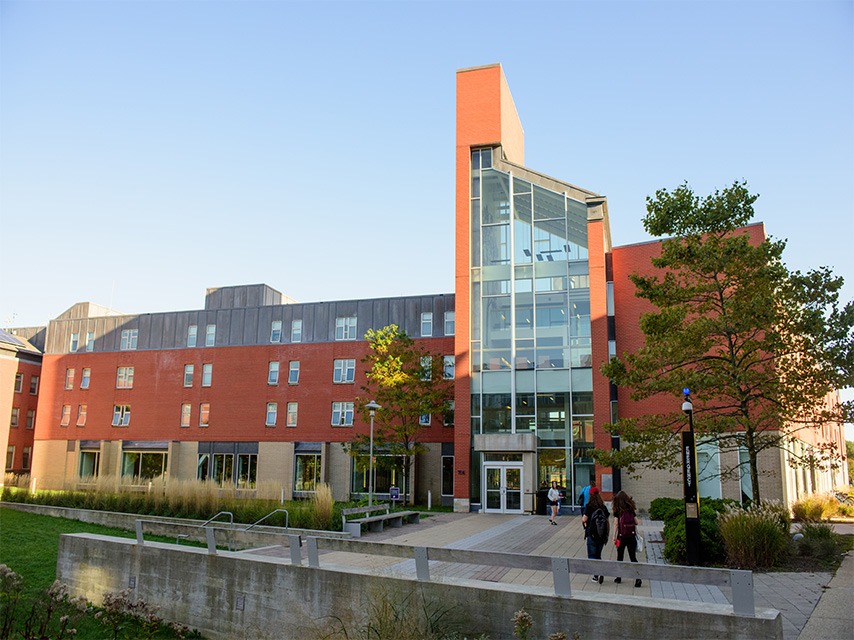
(690, 485)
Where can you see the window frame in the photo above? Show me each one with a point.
(121, 415)
(293, 372)
(344, 371)
(124, 378)
(192, 335)
(272, 414)
(450, 321)
(34, 385)
(82, 414)
(19, 382)
(15, 418)
(426, 324)
(69, 378)
(189, 372)
(186, 415)
(276, 331)
(345, 412)
(207, 374)
(273, 372)
(296, 330)
(293, 414)
(210, 335)
(85, 377)
(204, 414)
(346, 328)
(129, 340)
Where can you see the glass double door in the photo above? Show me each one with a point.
(502, 488)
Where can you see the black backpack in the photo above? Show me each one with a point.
(598, 527)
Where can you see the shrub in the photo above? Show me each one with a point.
(664, 508)
(819, 541)
(814, 508)
(755, 537)
(322, 505)
(711, 544)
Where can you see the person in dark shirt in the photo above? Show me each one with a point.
(595, 543)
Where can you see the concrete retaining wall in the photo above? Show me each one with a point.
(237, 596)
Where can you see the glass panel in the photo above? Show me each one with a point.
(495, 199)
(548, 204)
(550, 241)
(553, 418)
(475, 233)
(582, 402)
(513, 495)
(486, 158)
(493, 488)
(552, 466)
(577, 224)
(475, 160)
(496, 244)
(496, 413)
(521, 186)
(524, 315)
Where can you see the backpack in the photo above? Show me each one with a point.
(626, 525)
(598, 527)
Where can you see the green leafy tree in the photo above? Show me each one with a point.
(762, 348)
(849, 450)
(407, 381)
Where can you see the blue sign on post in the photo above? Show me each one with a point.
(394, 493)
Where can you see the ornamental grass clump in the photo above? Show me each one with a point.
(322, 506)
(754, 538)
(819, 541)
(814, 508)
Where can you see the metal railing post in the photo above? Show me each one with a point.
(560, 573)
(296, 552)
(422, 564)
(210, 534)
(313, 556)
(742, 593)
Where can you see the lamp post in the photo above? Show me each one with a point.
(690, 485)
(372, 406)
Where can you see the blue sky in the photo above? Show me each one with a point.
(149, 150)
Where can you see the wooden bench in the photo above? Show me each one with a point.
(376, 517)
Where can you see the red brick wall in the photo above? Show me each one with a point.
(19, 437)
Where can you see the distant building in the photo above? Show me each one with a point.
(256, 389)
(20, 381)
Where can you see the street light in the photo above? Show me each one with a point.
(372, 406)
(690, 485)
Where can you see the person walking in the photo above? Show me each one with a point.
(584, 496)
(595, 523)
(554, 501)
(625, 530)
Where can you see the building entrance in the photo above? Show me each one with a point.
(502, 487)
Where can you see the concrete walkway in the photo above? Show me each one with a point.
(808, 602)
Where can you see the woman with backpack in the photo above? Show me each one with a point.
(626, 529)
(595, 523)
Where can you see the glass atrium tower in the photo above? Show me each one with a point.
(525, 272)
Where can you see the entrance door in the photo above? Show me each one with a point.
(502, 488)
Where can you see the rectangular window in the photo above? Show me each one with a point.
(89, 462)
(293, 372)
(342, 414)
(84, 379)
(447, 475)
(210, 335)
(90, 341)
(143, 466)
(306, 471)
(81, 415)
(129, 339)
(192, 335)
(19, 382)
(273, 373)
(216, 467)
(344, 371)
(247, 470)
(426, 367)
(10, 457)
(272, 414)
(124, 378)
(188, 375)
(426, 324)
(449, 323)
(345, 328)
(25, 458)
(69, 378)
(74, 343)
(207, 374)
(296, 331)
(424, 419)
(121, 415)
(276, 331)
(204, 414)
(448, 414)
(450, 365)
(34, 385)
(16, 416)
(186, 411)
(31, 418)
(293, 409)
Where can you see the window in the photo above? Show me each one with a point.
(210, 335)
(188, 375)
(345, 328)
(186, 411)
(344, 371)
(89, 462)
(25, 458)
(426, 324)
(84, 379)
(306, 471)
(293, 372)
(31, 418)
(342, 414)
(34, 385)
(296, 331)
(65, 419)
(449, 366)
(121, 415)
(16, 416)
(293, 409)
(276, 331)
(424, 419)
(449, 323)
(10, 457)
(448, 414)
(143, 466)
(69, 378)
(74, 343)
(426, 367)
(129, 339)
(204, 414)
(272, 414)
(447, 475)
(81, 415)
(19, 382)
(192, 335)
(247, 469)
(219, 467)
(207, 374)
(124, 378)
(273, 373)
(90, 341)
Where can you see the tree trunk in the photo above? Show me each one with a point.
(752, 455)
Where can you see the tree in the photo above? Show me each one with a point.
(762, 348)
(849, 450)
(408, 382)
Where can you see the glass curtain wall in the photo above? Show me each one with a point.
(530, 323)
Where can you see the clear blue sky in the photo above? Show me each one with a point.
(149, 150)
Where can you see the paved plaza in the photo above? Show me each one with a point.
(795, 595)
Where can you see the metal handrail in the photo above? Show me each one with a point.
(287, 519)
(230, 519)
